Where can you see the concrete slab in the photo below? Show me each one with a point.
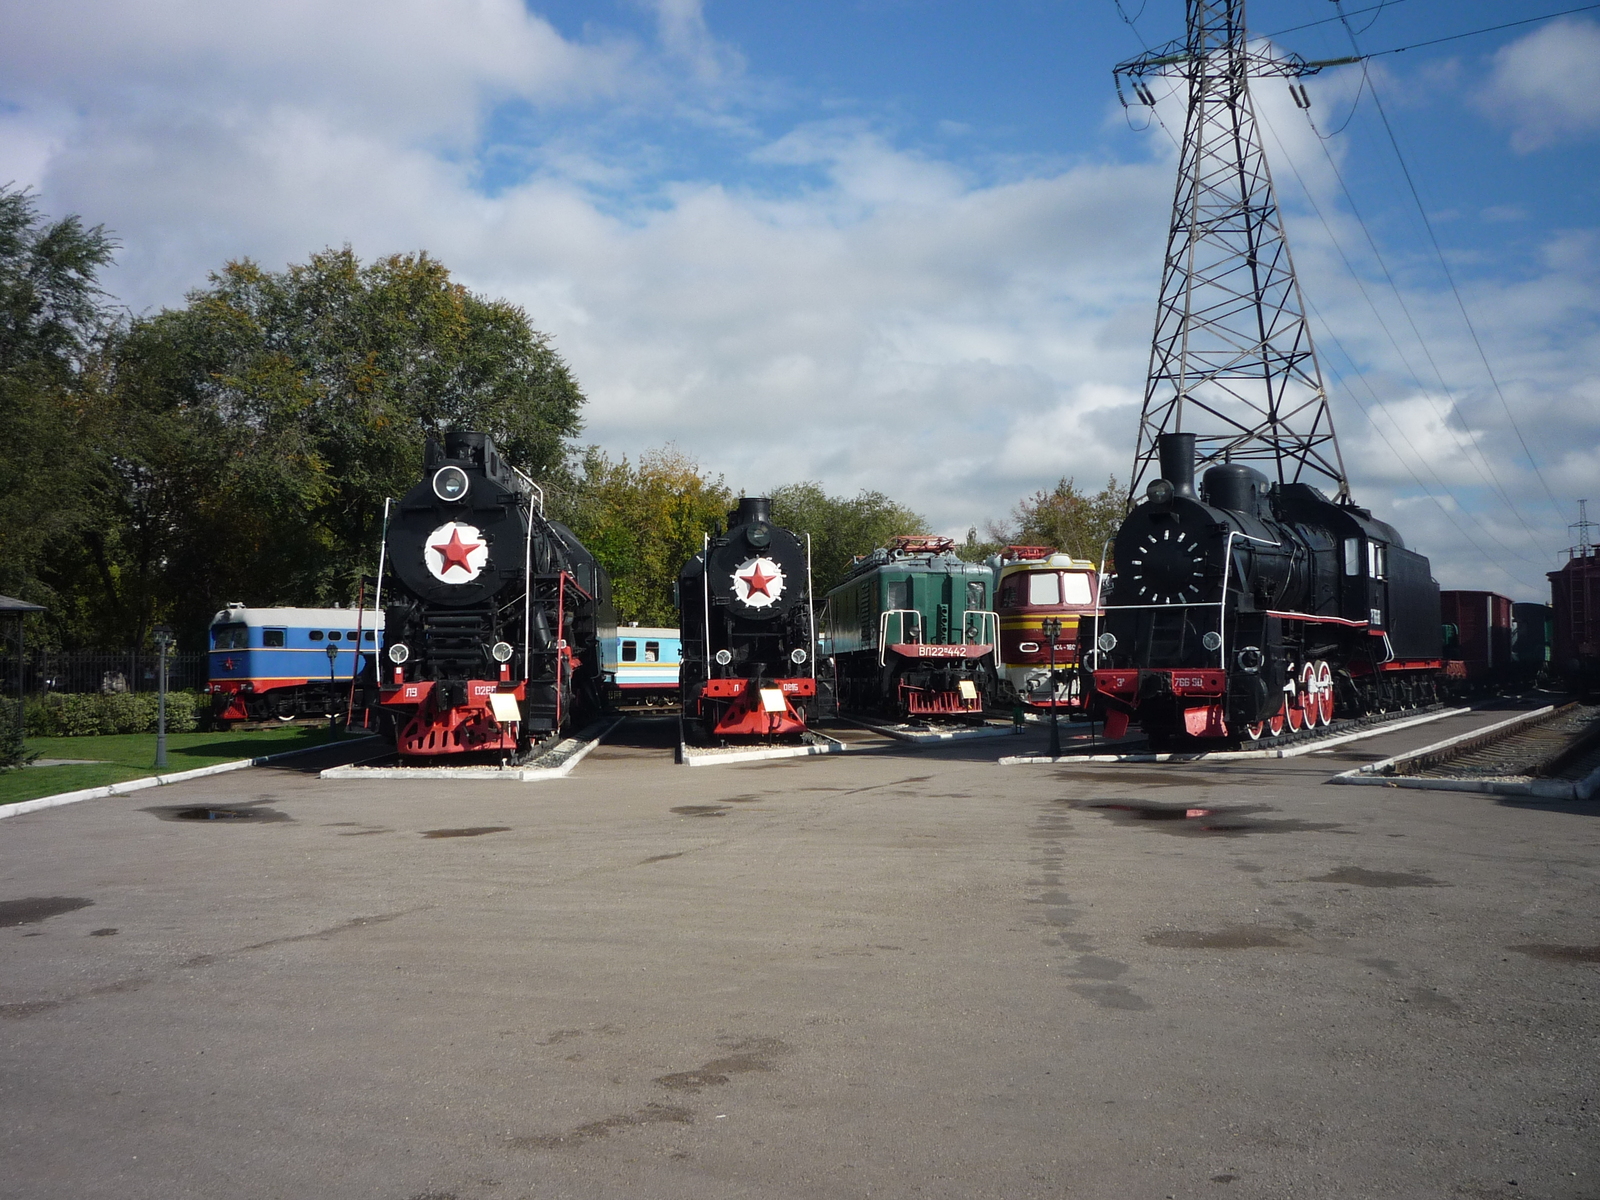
(816, 743)
(556, 763)
(886, 973)
(929, 735)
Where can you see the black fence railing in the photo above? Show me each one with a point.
(97, 671)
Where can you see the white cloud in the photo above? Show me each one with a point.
(868, 316)
(1546, 86)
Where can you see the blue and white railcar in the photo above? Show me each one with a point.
(642, 665)
(274, 662)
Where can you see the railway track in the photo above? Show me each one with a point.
(1552, 752)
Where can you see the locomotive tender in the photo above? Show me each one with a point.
(494, 644)
(748, 629)
(1255, 606)
(913, 633)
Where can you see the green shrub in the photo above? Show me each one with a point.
(88, 714)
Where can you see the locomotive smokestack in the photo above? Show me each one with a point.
(751, 508)
(1177, 461)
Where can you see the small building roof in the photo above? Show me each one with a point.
(9, 604)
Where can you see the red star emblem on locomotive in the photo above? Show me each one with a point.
(757, 582)
(454, 553)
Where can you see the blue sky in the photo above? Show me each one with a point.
(887, 244)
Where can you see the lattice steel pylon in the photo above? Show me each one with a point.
(1232, 360)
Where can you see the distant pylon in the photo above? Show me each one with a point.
(1583, 525)
(1232, 360)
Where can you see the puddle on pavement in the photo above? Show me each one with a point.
(1199, 820)
(469, 831)
(1361, 877)
(30, 910)
(702, 810)
(107, 932)
(1237, 937)
(1554, 953)
(206, 812)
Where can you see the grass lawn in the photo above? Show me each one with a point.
(132, 755)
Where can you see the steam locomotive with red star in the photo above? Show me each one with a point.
(749, 630)
(494, 644)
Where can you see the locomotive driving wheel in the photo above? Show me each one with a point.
(1324, 693)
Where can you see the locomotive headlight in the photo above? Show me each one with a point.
(1107, 642)
(797, 656)
(1212, 640)
(1160, 492)
(450, 483)
(724, 657)
(399, 652)
(501, 652)
(758, 535)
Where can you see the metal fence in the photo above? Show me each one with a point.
(96, 671)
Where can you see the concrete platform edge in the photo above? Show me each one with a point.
(511, 775)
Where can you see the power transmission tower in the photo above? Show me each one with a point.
(1232, 360)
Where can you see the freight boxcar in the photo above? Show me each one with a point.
(1575, 603)
(1477, 627)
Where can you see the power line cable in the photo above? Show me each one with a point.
(1489, 478)
(1454, 37)
(1372, 8)
(1449, 275)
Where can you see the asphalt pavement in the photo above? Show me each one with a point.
(901, 971)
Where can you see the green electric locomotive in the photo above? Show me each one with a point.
(912, 633)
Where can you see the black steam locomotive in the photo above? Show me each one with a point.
(748, 629)
(1255, 607)
(495, 643)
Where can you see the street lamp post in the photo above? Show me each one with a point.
(163, 636)
(333, 698)
(1052, 630)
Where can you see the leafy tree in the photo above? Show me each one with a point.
(54, 322)
(840, 527)
(1073, 521)
(643, 522)
(259, 428)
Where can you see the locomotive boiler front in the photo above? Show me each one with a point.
(746, 625)
(493, 640)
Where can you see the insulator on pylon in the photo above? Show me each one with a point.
(1302, 98)
(1144, 93)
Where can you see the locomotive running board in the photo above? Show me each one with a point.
(707, 756)
(1309, 746)
(555, 763)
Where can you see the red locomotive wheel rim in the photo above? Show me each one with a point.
(1275, 721)
(1324, 693)
(1254, 730)
(1294, 714)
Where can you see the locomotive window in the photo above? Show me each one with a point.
(630, 651)
(231, 637)
(1377, 560)
(316, 635)
(1044, 587)
(1352, 556)
(1008, 595)
(652, 652)
(974, 595)
(900, 594)
(371, 636)
(1077, 587)
(272, 637)
(333, 635)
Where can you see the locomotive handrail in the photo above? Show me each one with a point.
(986, 618)
(531, 484)
(883, 628)
(811, 611)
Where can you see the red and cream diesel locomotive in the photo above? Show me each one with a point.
(494, 644)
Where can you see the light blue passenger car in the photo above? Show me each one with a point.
(274, 662)
(642, 665)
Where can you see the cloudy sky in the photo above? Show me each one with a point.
(909, 245)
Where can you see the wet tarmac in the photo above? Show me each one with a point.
(900, 971)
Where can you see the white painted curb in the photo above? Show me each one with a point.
(150, 781)
(504, 775)
(1245, 755)
(931, 736)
